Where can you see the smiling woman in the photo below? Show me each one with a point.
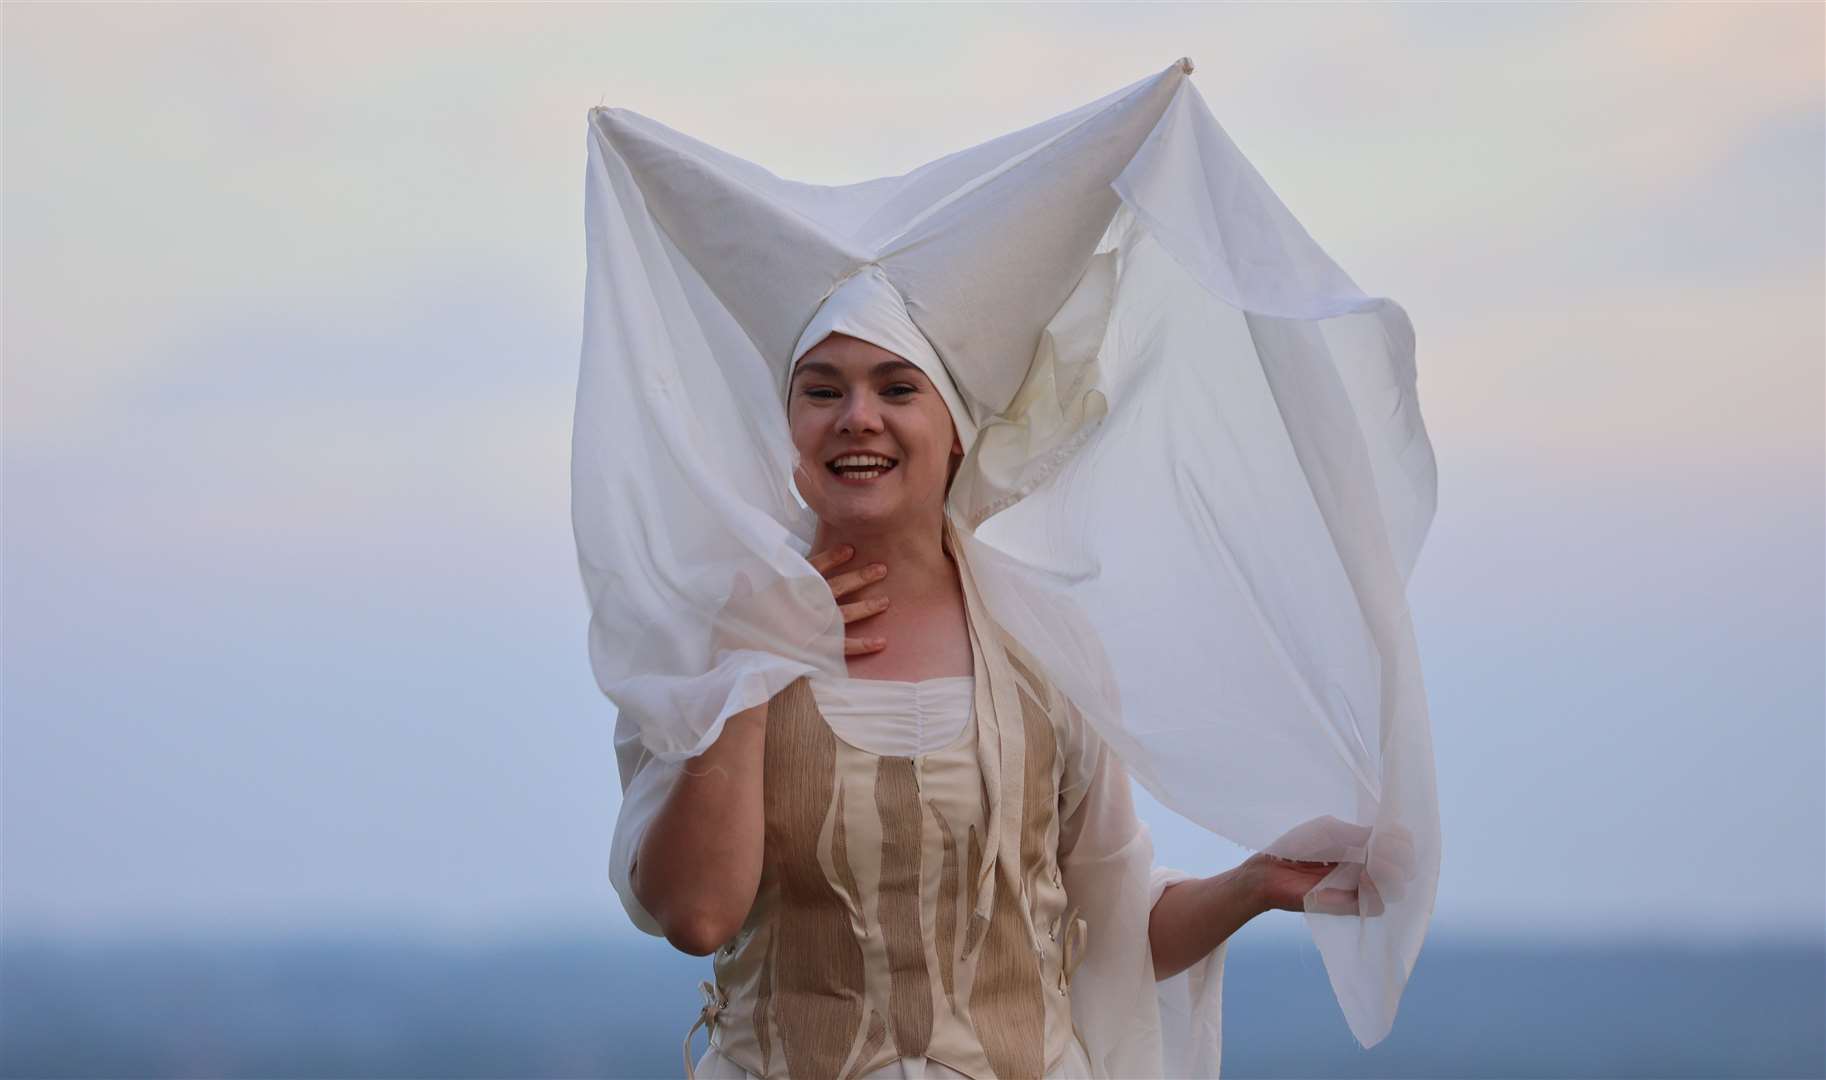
(818, 914)
(918, 515)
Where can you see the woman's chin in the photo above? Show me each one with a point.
(855, 512)
(861, 509)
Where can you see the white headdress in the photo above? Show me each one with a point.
(1197, 483)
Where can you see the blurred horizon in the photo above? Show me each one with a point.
(564, 1007)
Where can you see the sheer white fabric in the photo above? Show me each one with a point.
(1106, 860)
(1199, 482)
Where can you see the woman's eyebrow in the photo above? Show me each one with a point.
(825, 368)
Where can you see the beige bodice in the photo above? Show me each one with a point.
(865, 943)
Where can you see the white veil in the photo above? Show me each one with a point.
(1199, 483)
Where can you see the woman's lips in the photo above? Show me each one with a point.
(854, 475)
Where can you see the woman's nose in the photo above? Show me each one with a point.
(858, 416)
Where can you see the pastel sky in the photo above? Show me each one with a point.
(293, 635)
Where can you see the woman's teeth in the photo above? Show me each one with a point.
(861, 466)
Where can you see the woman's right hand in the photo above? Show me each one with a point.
(826, 562)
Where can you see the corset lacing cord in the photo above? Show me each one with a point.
(715, 1001)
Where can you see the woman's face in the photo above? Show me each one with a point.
(850, 397)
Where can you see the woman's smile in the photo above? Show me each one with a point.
(861, 468)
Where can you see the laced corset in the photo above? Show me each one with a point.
(865, 943)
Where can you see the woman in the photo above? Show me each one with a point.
(878, 448)
(1111, 472)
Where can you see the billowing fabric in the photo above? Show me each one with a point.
(860, 955)
(1198, 483)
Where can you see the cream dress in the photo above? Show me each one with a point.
(893, 718)
(1107, 870)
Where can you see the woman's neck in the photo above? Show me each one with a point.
(915, 557)
(925, 624)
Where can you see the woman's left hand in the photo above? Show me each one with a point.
(1282, 884)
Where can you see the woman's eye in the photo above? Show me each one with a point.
(825, 393)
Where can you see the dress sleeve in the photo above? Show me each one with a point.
(645, 783)
(1106, 858)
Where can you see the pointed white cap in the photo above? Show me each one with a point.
(980, 270)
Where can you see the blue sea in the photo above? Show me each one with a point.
(611, 1007)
